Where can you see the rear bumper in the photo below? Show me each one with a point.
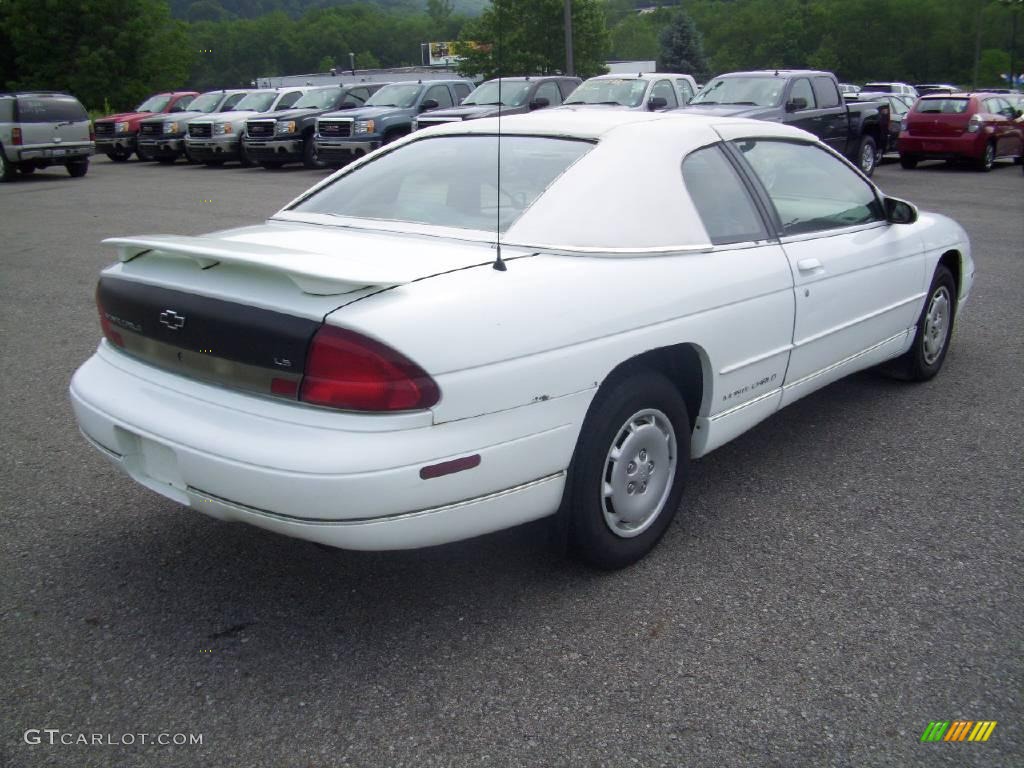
(56, 153)
(967, 145)
(340, 479)
(274, 149)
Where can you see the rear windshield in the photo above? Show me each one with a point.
(46, 109)
(943, 106)
(257, 102)
(450, 181)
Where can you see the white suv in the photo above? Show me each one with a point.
(43, 128)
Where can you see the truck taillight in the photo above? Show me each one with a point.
(349, 371)
(16, 136)
(112, 334)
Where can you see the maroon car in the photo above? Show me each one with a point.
(980, 127)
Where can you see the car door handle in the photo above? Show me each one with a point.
(809, 265)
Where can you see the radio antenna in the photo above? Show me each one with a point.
(499, 263)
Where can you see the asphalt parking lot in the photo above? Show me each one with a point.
(841, 576)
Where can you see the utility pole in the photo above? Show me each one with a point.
(1015, 7)
(569, 68)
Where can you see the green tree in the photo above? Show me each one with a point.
(636, 36)
(682, 48)
(100, 50)
(527, 37)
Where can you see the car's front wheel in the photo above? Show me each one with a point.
(988, 159)
(934, 331)
(309, 154)
(867, 155)
(628, 471)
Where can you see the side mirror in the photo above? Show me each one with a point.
(899, 211)
(429, 104)
(539, 103)
(657, 102)
(795, 105)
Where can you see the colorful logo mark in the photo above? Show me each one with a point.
(958, 730)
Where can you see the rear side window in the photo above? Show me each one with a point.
(6, 110)
(357, 95)
(567, 87)
(439, 93)
(288, 99)
(42, 109)
(663, 88)
(685, 92)
(942, 106)
(461, 92)
(550, 92)
(825, 92)
(802, 90)
(231, 101)
(722, 200)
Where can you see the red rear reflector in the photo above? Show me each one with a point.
(347, 370)
(16, 136)
(113, 336)
(284, 387)
(450, 467)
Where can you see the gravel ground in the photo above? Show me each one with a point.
(840, 576)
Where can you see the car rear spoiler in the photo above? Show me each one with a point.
(319, 274)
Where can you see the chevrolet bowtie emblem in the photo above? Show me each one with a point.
(172, 319)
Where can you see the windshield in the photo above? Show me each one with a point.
(395, 95)
(322, 98)
(154, 104)
(207, 102)
(256, 102)
(450, 181)
(752, 91)
(628, 92)
(512, 94)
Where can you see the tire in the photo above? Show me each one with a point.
(612, 523)
(988, 159)
(243, 157)
(271, 165)
(909, 162)
(189, 158)
(309, 157)
(934, 331)
(78, 168)
(27, 170)
(143, 158)
(7, 170)
(119, 155)
(867, 155)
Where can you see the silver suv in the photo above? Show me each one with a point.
(43, 128)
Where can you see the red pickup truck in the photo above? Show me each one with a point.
(117, 135)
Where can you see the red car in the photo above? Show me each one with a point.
(981, 127)
(117, 135)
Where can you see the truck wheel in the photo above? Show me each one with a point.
(909, 162)
(119, 155)
(988, 159)
(628, 471)
(189, 158)
(143, 156)
(934, 330)
(243, 157)
(78, 168)
(867, 155)
(7, 171)
(309, 156)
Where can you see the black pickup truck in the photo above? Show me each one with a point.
(805, 99)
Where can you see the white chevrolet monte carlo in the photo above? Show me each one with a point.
(366, 371)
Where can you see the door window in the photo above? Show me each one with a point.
(721, 199)
(439, 93)
(802, 90)
(549, 91)
(825, 93)
(811, 189)
(663, 88)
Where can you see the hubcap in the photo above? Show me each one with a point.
(638, 473)
(867, 158)
(936, 325)
(990, 155)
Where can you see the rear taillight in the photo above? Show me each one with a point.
(975, 123)
(92, 132)
(112, 334)
(16, 136)
(352, 372)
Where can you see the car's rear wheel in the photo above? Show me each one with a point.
(78, 168)
(628, 471)
(867, 155)
(7, 171)
(119, 155)
(934, 330)
(909, 162)
(988, 158)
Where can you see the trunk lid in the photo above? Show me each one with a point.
(940, 116)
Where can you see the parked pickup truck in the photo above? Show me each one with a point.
(644, 92)
(117, 135)
(287, 137)
(805, 99)
(162, 138)
(388, 115)
(215, 140)
(507, 96)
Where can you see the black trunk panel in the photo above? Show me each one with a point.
(214, 327)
